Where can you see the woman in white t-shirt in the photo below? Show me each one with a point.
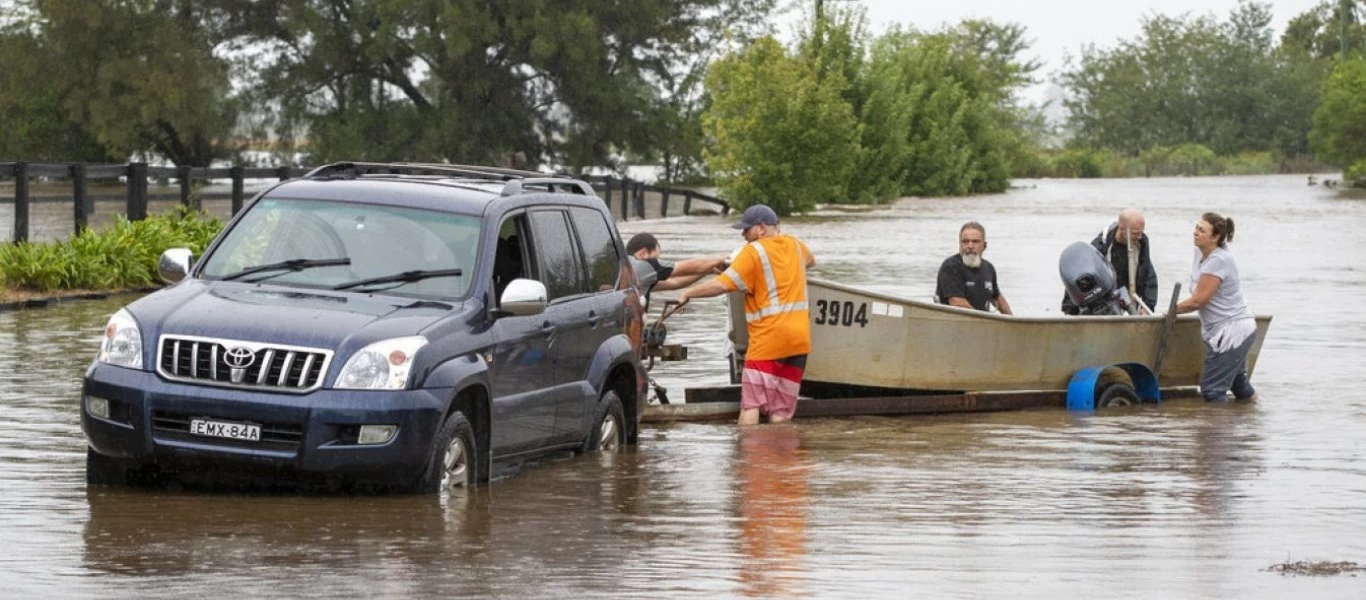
(1226, 324)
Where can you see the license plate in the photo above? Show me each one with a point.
(223, 429)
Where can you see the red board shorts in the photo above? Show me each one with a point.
(772, 385)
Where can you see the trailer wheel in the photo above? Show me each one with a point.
(1116, 395)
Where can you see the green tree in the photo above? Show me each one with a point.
(1221, 84)
(940, 116)
(780, 133)
(1318, 32)
(138, 75)
(464, 80)
(34, 125)
(1339, 134)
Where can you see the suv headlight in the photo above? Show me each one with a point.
(122, 342)
(383, 365)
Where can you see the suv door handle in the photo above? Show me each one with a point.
(547, 328)
(593, 318)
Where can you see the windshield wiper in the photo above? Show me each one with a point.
(296, 264)
(404, 277)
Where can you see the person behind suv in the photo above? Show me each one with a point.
(673, 276)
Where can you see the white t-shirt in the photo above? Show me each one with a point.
(1226, 321)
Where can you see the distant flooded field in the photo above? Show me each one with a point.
(1181, 500)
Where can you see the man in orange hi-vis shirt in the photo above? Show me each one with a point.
(771, 271)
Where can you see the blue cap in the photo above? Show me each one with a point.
(758, 214)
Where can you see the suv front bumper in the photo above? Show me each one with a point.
(314, 433)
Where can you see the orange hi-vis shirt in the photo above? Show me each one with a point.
(772, 274)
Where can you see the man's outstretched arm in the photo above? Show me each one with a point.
(698, 267)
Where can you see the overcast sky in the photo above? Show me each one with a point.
(1061, 27)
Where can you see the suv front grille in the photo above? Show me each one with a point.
(233, 363)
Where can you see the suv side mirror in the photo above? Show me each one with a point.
(174, 264)
(645, 273)
(523, 297)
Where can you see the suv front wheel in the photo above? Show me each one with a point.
(609, 433)
(454, 461)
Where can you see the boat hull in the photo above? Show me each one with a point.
(865, 340)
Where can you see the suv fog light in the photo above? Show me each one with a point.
(376, 434)
(98, 407)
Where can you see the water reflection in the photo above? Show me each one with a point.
(771, 475)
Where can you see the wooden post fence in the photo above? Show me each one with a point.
(20, 202)
(632, 193)
(137, 191)
(80, 202)
(235, 172)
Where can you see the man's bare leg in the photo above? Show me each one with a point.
(749, 416)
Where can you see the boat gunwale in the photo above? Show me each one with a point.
(974, 313)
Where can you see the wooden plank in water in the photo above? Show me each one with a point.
(722, 403)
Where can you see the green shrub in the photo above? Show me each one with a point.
(1355, 175)
(121, 255)
(1078, 162)
(1251, 163)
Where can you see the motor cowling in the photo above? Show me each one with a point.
(1091, 283)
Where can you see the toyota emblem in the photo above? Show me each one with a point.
(239, 357)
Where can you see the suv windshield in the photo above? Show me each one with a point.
(329, 244)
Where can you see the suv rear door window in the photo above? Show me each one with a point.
(604, 264)
(557, 254)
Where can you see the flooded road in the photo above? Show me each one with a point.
(1178, 501)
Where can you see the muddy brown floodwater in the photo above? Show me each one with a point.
(1181, 500)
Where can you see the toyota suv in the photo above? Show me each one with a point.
(401, 325)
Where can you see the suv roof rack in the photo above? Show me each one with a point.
(515, 179)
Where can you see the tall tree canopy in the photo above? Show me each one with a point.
(781, 134)
(1320, 31)
(1339, 133)
(1221, 84)
(846, 117)
(466, 80)
(137, 75)
(573, 82)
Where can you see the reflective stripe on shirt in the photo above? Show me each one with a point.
(774, 308)
(736, 279)
(769, 311)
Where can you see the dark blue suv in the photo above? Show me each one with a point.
(403, 325)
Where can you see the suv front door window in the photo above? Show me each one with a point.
(523, 370)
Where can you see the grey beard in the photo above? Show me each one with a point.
(972, 261)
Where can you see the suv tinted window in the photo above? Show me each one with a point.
(604, 264)
(557, 253)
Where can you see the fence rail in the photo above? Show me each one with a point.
(624, 197)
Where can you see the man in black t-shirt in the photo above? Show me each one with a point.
(671, 276)
(966, 279)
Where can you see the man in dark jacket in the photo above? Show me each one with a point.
(1113, 244)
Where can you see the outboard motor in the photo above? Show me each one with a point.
(1091, 283)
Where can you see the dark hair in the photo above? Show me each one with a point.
(641, 241)
(973, 225)
(1220, 226)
